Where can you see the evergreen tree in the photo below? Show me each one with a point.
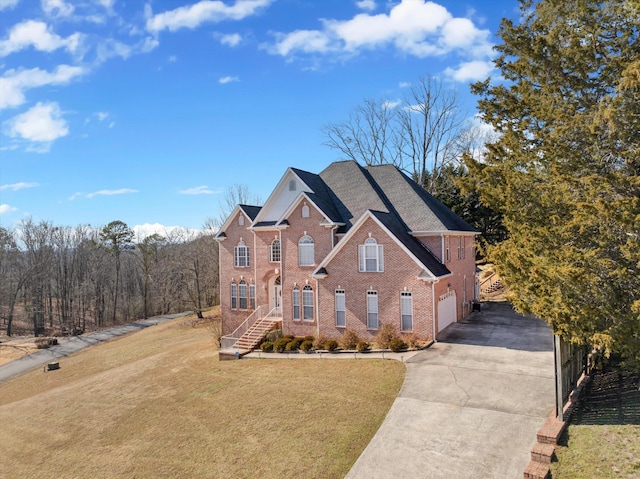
(565, 170)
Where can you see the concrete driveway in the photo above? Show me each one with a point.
(471, 405)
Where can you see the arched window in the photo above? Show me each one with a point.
(305, 211)
(305, 251)
(234, 295)
(292, 185)
(307, 303)
(241, 255)
(242, 294)
(274, 251)
(296, 303)
(371, 257)
(240, 220)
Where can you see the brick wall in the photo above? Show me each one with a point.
(400, 274)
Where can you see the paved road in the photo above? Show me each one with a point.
(74, 344)
(471, 405)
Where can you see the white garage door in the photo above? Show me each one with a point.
(447, 313)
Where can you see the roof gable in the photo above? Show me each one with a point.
(248, 211)
(431, 267)
(286, 191)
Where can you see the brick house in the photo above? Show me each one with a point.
(350, 248)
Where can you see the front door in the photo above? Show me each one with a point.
(275, 293)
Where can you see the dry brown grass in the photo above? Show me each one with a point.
(12, 350)
(159, 404)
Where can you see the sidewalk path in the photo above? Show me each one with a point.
(74, 344)
(471, 404)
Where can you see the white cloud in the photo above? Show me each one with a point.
(415, 27)
(57, 7)
(198, 190)
(470, 71)
(148, 229)
(369, 5)
(15, 82)
(233, 39)
(5, 208)
(113, 48)
(228, 79)
(173, 59)
(101, 115)
(39, 35)
(18, 186)
(8, 4)
(42, 123)
(121, 191)
(391, 104)
(202, 12)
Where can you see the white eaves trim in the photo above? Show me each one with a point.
(275, 194)
(303, 196)
(443, 232)
(425, 273)
(227, 223)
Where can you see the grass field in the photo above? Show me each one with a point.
(603, 437)
(159, 404)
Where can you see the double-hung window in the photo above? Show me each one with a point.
(341, 313)
(406, 311)
(371, 257)
(305, 251)
(241, 255)
(274, 251)
(461, 247)
(372, 310)
(234, 295)
(307, 303)
(242, 294)
(296, 303)
(252, 296)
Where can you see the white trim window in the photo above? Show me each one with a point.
(306, 251)
(295, 301)
(447, 249)
(371, 257)
(461, 247)
(372, 310)
(242, 294)
(234, 295)
(341, 310)
(275, 251)
(406, 311)
(241, 255)
(305, 211)
(307, 303)
(252, 295)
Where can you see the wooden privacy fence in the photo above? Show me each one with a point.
(570, 364)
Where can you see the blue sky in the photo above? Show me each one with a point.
(147, 111)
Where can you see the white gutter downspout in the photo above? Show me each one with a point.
(442, 258)
(433, 309)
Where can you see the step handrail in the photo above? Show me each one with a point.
(230, 340)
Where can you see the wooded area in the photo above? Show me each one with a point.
(67, 280)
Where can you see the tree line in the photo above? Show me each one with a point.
(62, 279)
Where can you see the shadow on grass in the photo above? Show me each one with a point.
(610, 398)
